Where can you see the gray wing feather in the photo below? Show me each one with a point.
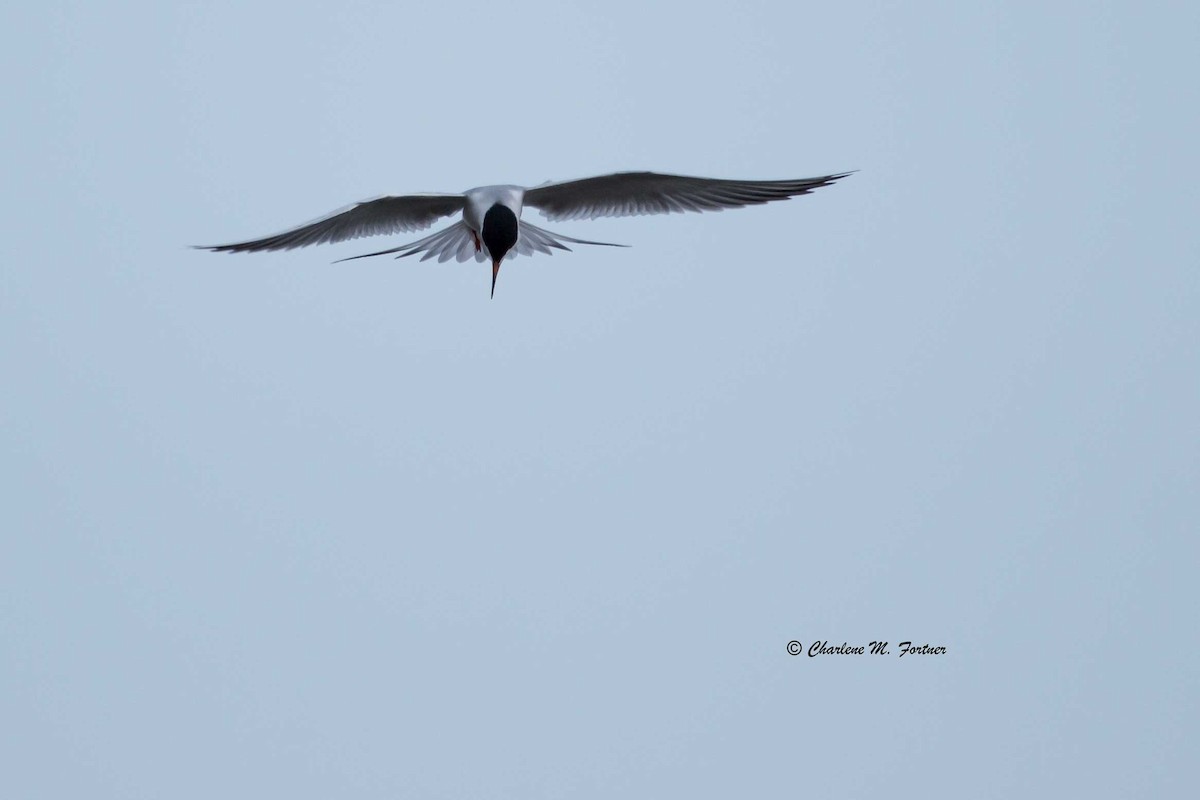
(632, 193)
(383, 215)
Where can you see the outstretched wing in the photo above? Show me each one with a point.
(382, 215)
(632, 193)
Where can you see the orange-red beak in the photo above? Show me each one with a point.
(495, 272)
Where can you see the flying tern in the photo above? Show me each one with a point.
(491, 226)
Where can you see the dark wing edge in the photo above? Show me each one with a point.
(634, 193)
(383, 215)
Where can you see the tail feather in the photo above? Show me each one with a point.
(538, 240)
(457, 242)
(454, 242)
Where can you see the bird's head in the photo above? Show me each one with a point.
(499, 234)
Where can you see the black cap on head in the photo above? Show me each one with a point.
(499, 230)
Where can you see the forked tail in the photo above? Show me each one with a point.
(457, 242)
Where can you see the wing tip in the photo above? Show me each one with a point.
(257, 246)
(218, 248)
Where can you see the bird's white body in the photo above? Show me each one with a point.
(481, 198)
(491, 227)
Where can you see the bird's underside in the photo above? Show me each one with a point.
(618, 195)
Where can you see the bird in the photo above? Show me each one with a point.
(491, 227)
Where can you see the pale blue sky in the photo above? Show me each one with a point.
(278, 528)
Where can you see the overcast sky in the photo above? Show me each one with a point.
(274, 527)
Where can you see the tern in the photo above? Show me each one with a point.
(491, 226)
